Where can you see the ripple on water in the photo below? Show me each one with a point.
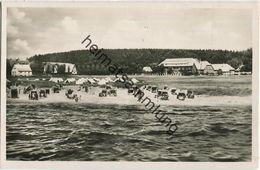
(67, 131)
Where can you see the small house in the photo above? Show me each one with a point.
(209, 70)
(147, 69)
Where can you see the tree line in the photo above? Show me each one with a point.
(132, 61)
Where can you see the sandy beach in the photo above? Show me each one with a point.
(123, 98)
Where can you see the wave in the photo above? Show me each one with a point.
(200, 132)
(223, 127)
(223, 157)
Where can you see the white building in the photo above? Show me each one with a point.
(21, 70)
(225, 68)
(147, 69)
(202, 66)
(219, 69)
(185, 66)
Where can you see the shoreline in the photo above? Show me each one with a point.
(128, 99)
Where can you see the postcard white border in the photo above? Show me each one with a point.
(136, 165)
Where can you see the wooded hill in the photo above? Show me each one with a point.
(133, 60)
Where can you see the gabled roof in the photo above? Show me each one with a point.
(22, 67)
(180, 62)
(203, 64)
(12, 62)
(223, 67)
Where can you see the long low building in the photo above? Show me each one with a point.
(184, 66)
(193, 66)
(219, 69)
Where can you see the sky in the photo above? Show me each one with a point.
(32, 31)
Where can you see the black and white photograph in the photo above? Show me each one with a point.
(113, 82)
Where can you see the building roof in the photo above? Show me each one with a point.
(203, 64)
(180, 62)
(223, 67)
(22, 67)
(240, 67)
